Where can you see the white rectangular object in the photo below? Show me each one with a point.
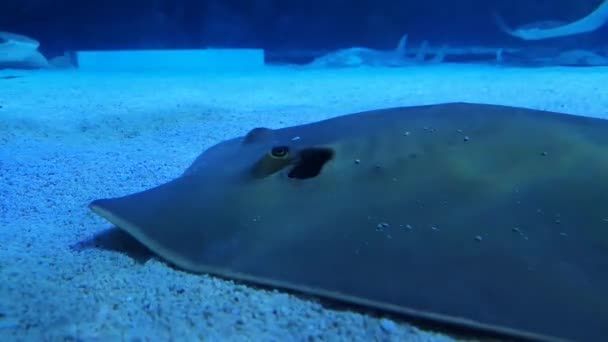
(167, 60)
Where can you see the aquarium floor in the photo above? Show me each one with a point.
(68, 137)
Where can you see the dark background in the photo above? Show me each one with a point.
(276, 24)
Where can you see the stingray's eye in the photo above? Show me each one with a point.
(273, 161)
(280, 152)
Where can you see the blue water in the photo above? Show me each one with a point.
(77, 124)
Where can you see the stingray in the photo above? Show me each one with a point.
(18, 51)
(589, 23)
(398, 57)
(484, 217)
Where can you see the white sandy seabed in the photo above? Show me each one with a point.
(67, 138)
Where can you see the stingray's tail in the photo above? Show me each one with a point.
(402, 45)
(502, 25)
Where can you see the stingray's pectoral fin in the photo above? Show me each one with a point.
(166, 219)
